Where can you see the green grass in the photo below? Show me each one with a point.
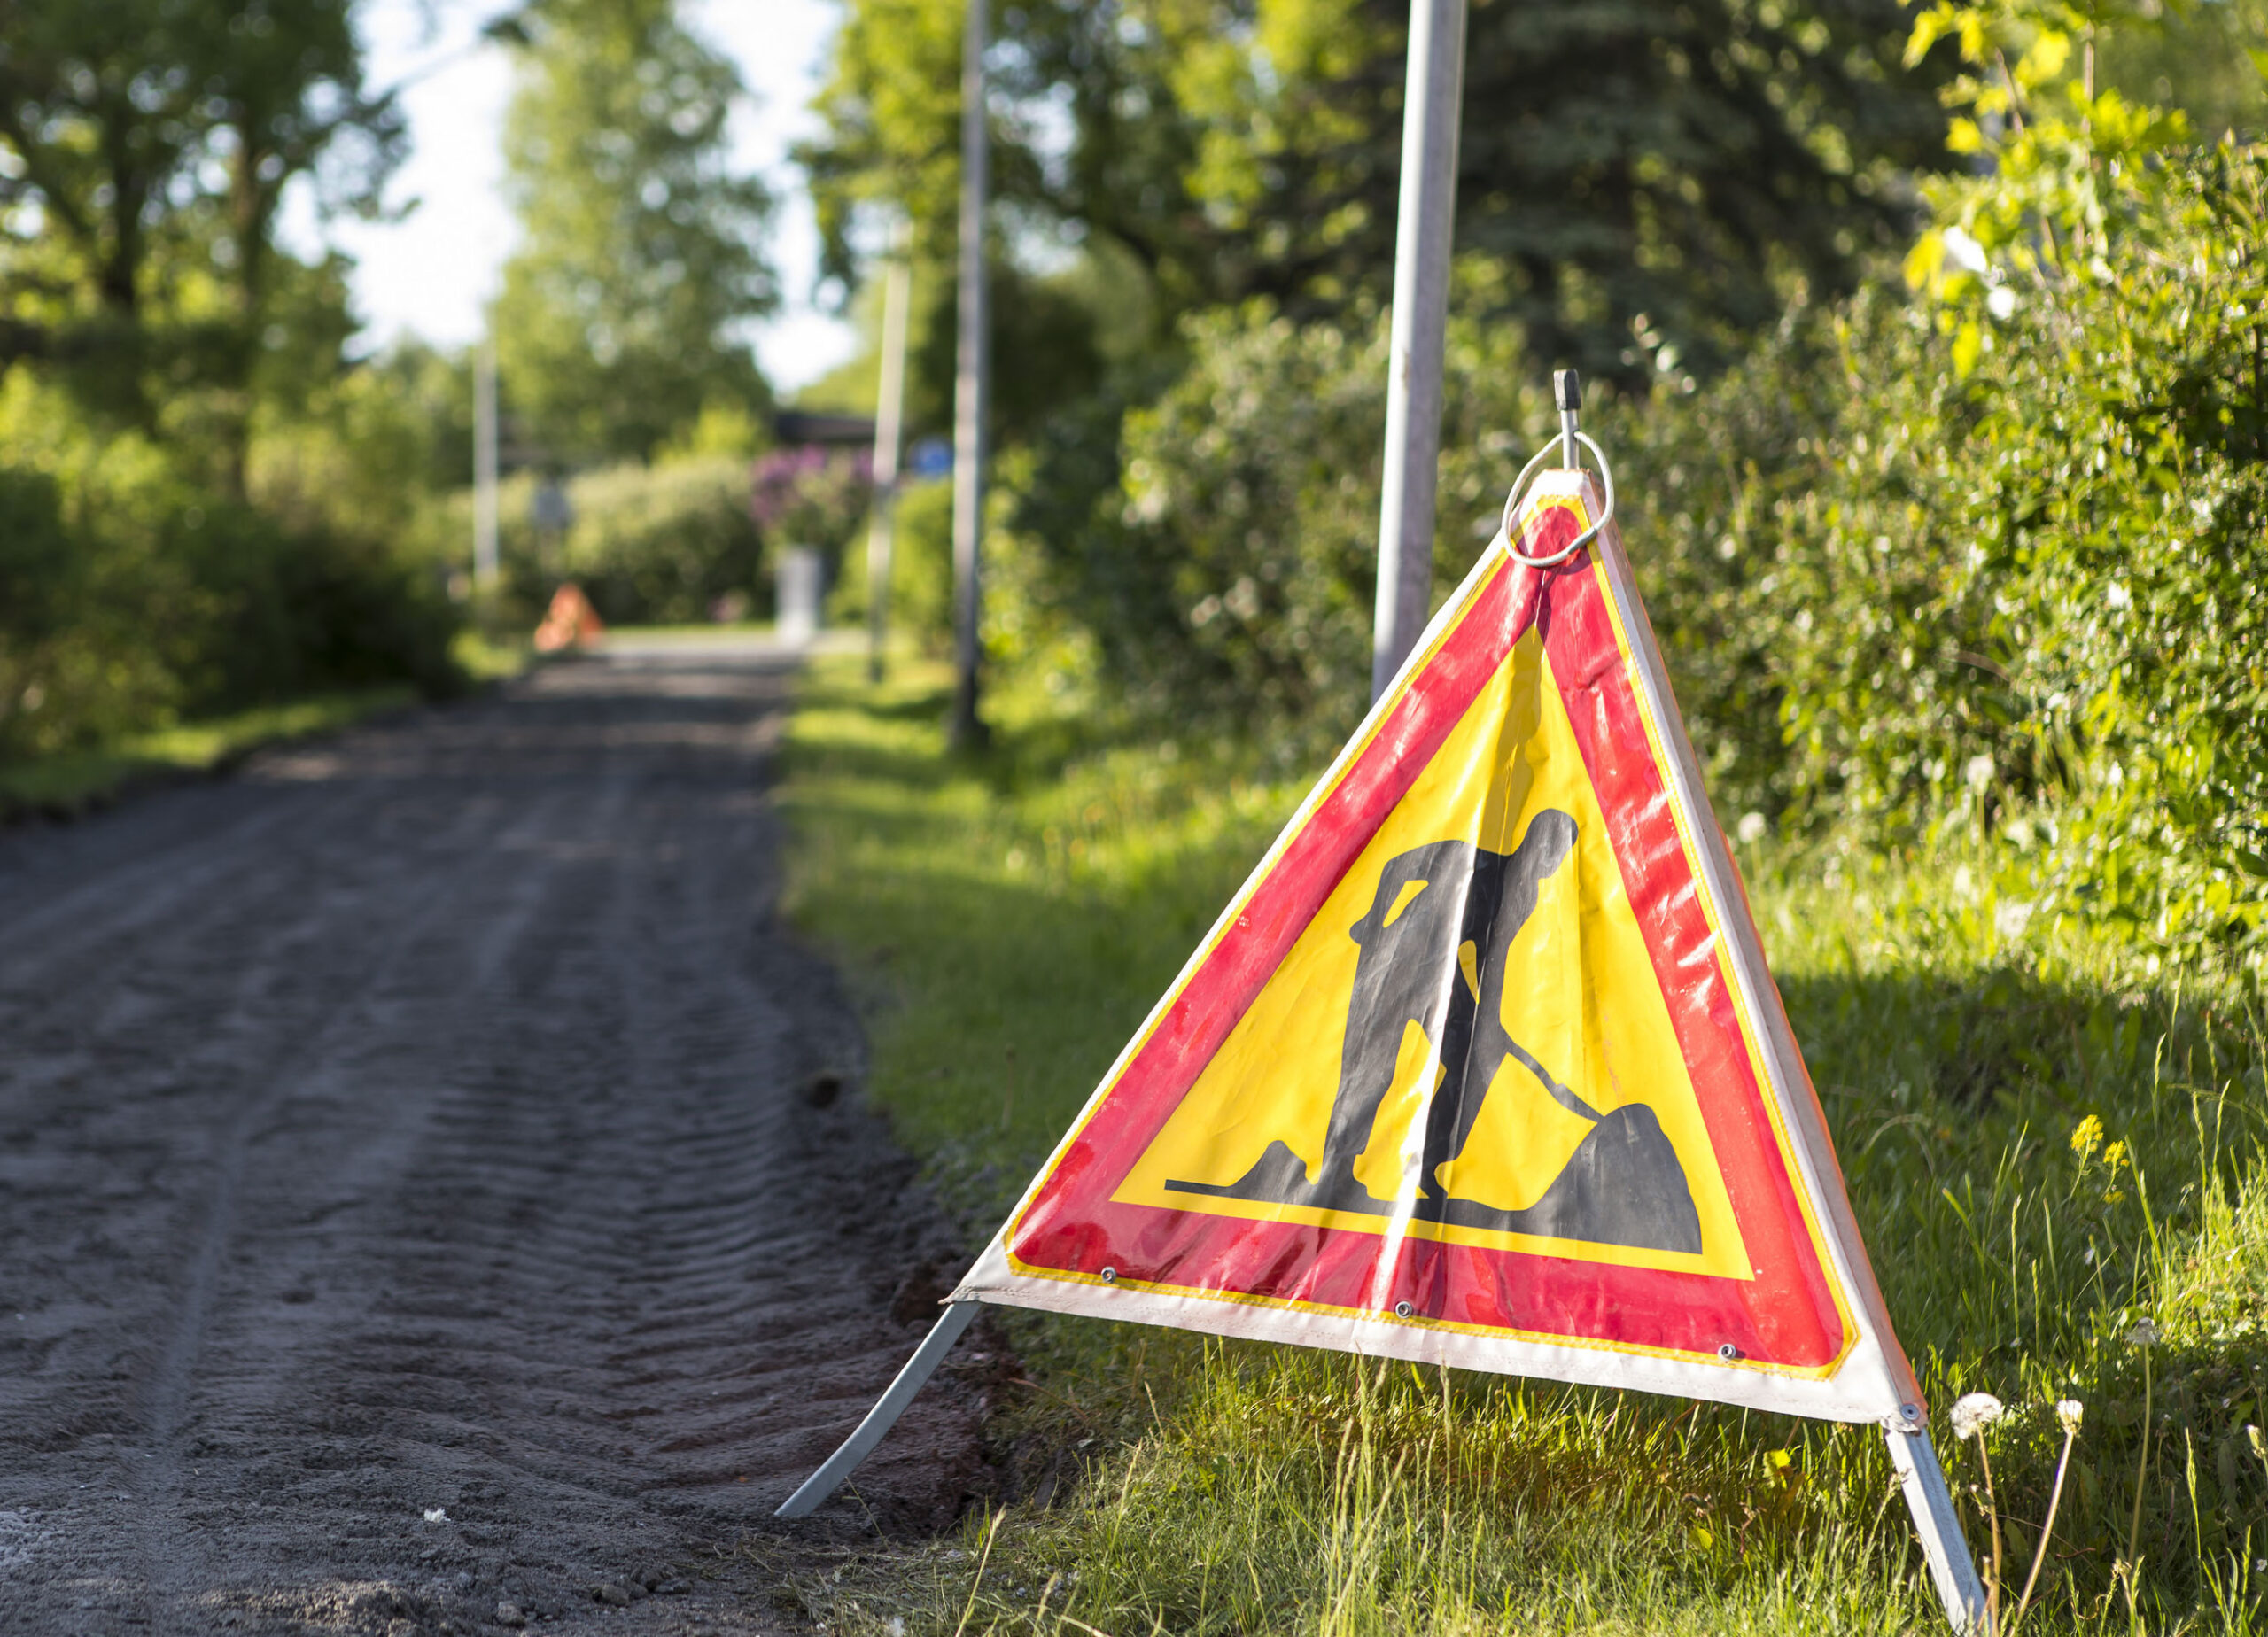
(73, 781)
(485, 658)
(1011, 917)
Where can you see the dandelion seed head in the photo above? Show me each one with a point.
(1973, 1412)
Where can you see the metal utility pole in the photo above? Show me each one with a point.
(970, 387)
(888, 413)
(1431, 100)
(483, 468)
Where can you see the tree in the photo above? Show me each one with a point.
(619, 313)
(1675, 160)
(1638, 182)
(147, 145)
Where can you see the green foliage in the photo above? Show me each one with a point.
(368, 449)
(663, 545)
(921, 576)
(921, 580)
(1998, 561)
(131, 594)
(1646, 181)
(148, 144)
(650, 544)
(616, 320)
(2204, 60)
(1226, 556)
(1638, 177)
(892, 109)
(1218, 544)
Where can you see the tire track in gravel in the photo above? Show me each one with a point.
(416, 1124)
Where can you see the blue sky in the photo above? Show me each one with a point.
(429, 273)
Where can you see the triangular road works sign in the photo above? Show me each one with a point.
(1483, 1065)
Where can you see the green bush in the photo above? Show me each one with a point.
(1998, 561)
(1219, 541)
(2004, 569)
(300, 612)
(657, 545)
(1220, 547)
(131, 595)
(921, 568)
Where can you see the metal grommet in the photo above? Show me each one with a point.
(1402, 1310)
(1110, 1275)
(1519, 487)
(1728, 1353)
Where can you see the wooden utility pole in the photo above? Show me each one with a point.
(889, 413)
(970, 389)
(1431, 100)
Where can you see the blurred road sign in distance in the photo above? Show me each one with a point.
(548, 508)
(930, 457)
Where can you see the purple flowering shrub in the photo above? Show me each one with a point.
(810, 496)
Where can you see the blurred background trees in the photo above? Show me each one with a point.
(152, 329)
(624, 312)
(1930, 338)
(1915, 326)
(218, 493)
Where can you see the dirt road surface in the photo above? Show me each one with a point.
(421, 1200)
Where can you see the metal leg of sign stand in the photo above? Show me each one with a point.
(889, 1408)
(1942, 1541)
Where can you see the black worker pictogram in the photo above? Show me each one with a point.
(1436, 948)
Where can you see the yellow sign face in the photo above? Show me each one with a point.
(1469, 1042)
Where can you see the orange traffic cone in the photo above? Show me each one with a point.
(570, 622)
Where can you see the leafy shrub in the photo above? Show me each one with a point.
(1219, 549)
(921, 568)
(1219, 541)
(2005, 566)
(70, 667)
(657, 545)
(294, 612)
(1998, 561)
(130, 594)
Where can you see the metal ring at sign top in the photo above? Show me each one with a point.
(1519, 488)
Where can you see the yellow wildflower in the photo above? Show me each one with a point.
(2086, 1136)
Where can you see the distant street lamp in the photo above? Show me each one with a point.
(888, 413)
(483, 468)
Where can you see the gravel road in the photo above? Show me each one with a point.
(422, 1208)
